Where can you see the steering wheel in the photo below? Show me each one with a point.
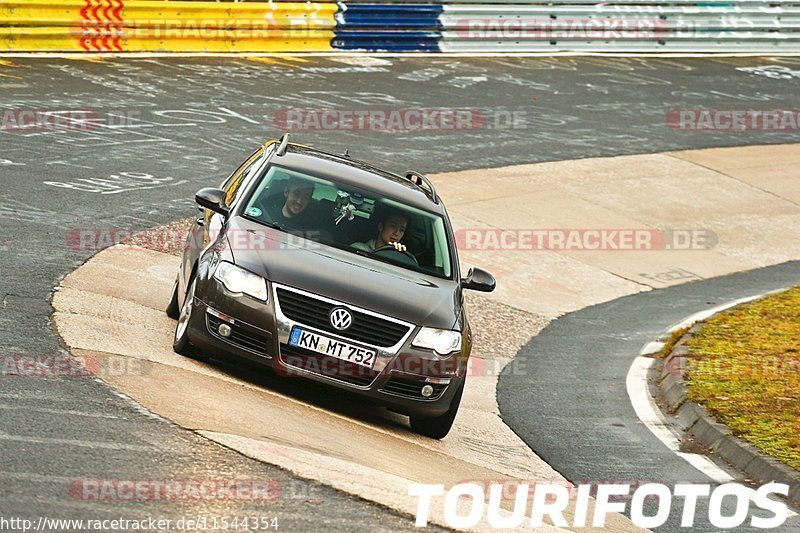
(406, 258)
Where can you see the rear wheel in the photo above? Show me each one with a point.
(437, 427)
(181, 343)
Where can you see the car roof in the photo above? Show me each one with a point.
(347, 170)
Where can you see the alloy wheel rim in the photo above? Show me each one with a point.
(186, 311)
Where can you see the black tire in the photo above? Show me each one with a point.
(437, 427)
(172, 307)
(180, 342)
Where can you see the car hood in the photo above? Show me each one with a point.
(344, 276)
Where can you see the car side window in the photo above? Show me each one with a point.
(233, 185)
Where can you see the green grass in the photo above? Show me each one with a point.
(745, 368)
(670, 343)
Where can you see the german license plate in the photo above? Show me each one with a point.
(332, 347)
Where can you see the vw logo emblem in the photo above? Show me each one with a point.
(340, 318)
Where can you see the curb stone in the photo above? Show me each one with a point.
(699, 422)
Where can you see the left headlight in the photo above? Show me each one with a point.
(239, 280)
(441, 341)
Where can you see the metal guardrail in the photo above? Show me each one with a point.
(572, 25)
(756, 26)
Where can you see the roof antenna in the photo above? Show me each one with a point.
(346, 153)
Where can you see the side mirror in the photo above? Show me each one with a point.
(213, 199)
(479, 280)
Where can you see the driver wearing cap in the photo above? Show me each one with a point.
(391, 228)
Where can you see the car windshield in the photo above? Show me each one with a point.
(352, 219)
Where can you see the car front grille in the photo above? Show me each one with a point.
(329, 367)
(242, 336)
(412, 388)
(365, 328)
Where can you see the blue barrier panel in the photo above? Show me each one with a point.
(387, 41)
(393, 22)
(388, 27)
(378, 9)
(389, 16)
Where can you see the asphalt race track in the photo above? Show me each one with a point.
(172, 126)
(575, 389)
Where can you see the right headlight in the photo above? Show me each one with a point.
(239, 280)
(441, 341)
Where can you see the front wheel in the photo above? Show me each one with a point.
(172, 307)
(181, 343)
(437, 427)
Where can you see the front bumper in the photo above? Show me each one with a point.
(260, 333)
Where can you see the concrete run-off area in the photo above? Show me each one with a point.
(558, 237)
